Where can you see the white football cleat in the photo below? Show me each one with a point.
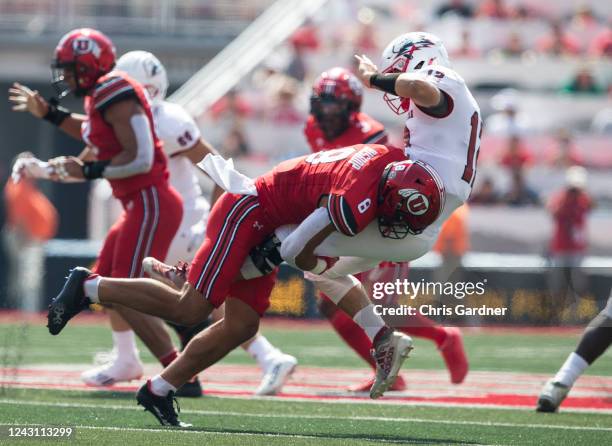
(110, 374)
(105, 357)
(174, 276)
(552, 396)
(277, 375)
(389, 352)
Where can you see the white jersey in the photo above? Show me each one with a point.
(179, 132)
(449, 144)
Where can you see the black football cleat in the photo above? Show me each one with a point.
(162, 407)
(69, 302)
(191, 389)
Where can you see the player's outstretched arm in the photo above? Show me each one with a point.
(24, 99)
(405, 85)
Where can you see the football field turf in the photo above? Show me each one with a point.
(40, 386)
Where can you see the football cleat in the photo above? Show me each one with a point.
(112, 373)
(454, 355)
(276, 375)
(191, 389)
(69, 302)
(398, 386)
(552, 396)
(389, 352)
(162, 407)
(174, 276)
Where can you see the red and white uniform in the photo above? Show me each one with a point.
(237, 223)
(178, 132)
(362, 130)
(449, 144)
(152, 210)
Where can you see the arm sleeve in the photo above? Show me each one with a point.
(143, 161)
(295, 242)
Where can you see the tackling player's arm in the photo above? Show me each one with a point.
(25, 99)
(195, 154)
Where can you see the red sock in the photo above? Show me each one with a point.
(168, 358)
(423, 327)
(353, 335)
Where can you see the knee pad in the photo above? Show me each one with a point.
(336, 288)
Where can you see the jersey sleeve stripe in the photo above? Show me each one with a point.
(376, 138)
(337, 215)
(114, 95)
(109, 89)
(347, 217)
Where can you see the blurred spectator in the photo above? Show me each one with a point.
(584, 24)
(31, 220)
(466, 50)
(601, 45)
(558, 42)
(452, 243)
(297, 65)
(485, 194)
(455, 7)
(517, 155)
(282, 110)
(513, 47)
(231, 107)
(569, 209)
(520, 194)
(494, 9)
(365, 41)
(565, 153)
(583, 82)
(234, 144)
(507, 120)
(306, 37)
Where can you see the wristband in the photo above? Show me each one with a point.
(94, 169)
(385, 82)
(56, 114)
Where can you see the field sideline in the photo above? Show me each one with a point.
(40, 385)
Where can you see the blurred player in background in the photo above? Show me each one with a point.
(122, 147)
(185, 147)
(336, 120)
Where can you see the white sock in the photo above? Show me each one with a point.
(262, 351)
(371, 322)
(571, 370)
(160, 387)
(125, 343)
(90, 287)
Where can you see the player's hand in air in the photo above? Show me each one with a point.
(24, 99)
(366, 69)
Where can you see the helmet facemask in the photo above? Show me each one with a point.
(333, 115)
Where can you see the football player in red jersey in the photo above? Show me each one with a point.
(338, 191)
(122, 147)
(336, 121)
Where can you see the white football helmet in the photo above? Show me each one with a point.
(148, 70)
(411, 52)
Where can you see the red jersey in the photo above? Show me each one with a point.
(362, 130)
(100, 136)
(569, 211)
(349, 177)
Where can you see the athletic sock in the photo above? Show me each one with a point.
(571, 370)
(125, 343)
(168, 358)
(353, 335)
(423, 327)
(262, 351)
(371, 322)
(90, 287)
(159, 386)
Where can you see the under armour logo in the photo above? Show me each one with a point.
(58, 313)
(257, 226)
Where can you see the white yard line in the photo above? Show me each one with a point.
(316, 417)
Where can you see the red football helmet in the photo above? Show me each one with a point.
(336, 95)
(85, 53)
(410, 198)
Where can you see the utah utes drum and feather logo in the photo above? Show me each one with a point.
(416, 202)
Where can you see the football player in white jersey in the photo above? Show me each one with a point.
(184, 146)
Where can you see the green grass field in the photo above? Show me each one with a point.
(113, 417)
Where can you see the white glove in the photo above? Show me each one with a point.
(30, 168)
